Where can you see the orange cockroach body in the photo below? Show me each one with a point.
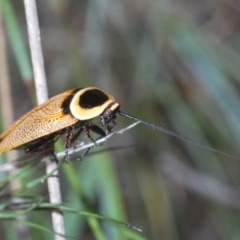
(61, 114)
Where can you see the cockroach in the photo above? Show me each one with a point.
(69, 111)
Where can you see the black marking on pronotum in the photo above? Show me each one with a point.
(92, 98)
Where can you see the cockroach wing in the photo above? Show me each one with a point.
(39, 122)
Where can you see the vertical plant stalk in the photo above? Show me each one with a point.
(42, 96)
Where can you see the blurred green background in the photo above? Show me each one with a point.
(173, 63)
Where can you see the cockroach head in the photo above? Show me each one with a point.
(109, 113)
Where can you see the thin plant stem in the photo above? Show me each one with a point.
(42, 96)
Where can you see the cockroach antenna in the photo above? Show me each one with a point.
(177, 135)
